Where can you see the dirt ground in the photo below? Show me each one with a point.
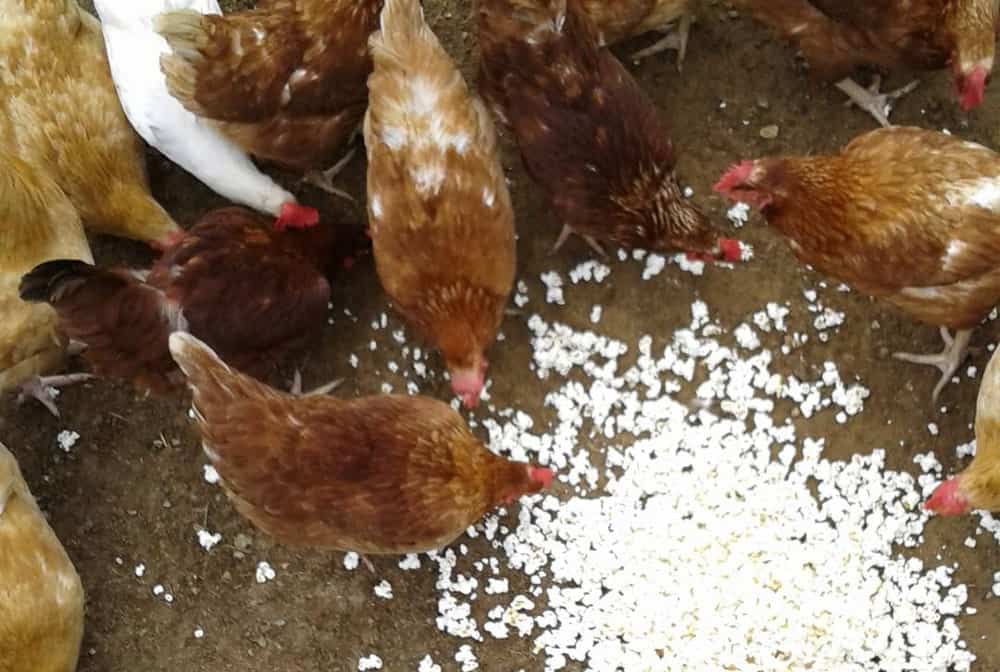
(132, 487)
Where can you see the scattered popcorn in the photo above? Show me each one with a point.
(66, 439)
(207, 540)
(410, 562)
(265, 572)
(739, 214)
(595, 314)
(590, 271)
(932, 428)
(553, 288)
(655, 264)
(198, 633)
(370, 662)
(384, 590)
(351, 561)
(427, 664)
(140, 570)
(210, 474)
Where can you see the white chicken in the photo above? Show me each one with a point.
(134, 49)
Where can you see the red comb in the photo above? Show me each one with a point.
(947, 500)
(730, 249)
(736, 176)
(295, 216)
(542, 475)
(972, 87)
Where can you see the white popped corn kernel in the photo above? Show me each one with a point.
(384, 590)
(210, 474)
(207, 540)
(66, 439)
(199, 633)
(369, 662)
(140, 570)
(264, 572)
(351, 560)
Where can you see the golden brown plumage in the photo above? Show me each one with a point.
(254, 294)
(59, 112)
(588, 134)
(285, 81)
(41, 597)
(978, 487)
(37, 223)
(382, 474)
(908, 215)
(837, 36)
(618, 20)
(441, 219)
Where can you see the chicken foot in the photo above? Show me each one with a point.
(323, 179)
(871, 100)
(676, 38)
(947, 361)
(567, 231)
(37, 387)
(296, 388)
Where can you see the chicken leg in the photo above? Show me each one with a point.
(296, 388)
(877, 104)
(323, 179)
(567, 231)
(37, 387)
(948, 360)
(676, 38)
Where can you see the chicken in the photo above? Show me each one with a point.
(387, 474)
(41, 610)
(59, 113)
(134, 51)
(284, 81)
(253, 294)
(978, 487)
(37, 223)
(837, 36)
(588, 134)
(440, 215)
(908, 215)
(618, 20)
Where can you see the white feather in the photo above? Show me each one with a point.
(134, 51)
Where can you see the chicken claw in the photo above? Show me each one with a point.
(877, 104)
(567, 231)
(296, 388)
(38, 388)
(323, 179)
(676, 39)
(948, 360)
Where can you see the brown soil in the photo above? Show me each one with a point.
(132, 487)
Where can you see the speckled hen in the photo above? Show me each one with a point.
(253, 293)
(588, 134)
(285, 81)
(441, 217)
(909, 215)
(387, 474)
(618, 20)
(837, 36)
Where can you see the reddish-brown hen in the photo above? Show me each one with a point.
(254, 294)
(837, 36)
(588, 134)
(441, 219)
(382, 474)
(978, 487)
(908, 215)
(285, 81)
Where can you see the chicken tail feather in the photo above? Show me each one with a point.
(204, 369)
(48, 282)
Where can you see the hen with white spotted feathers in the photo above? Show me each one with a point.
(441, 219)
(909, 215)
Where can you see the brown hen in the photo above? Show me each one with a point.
(383, 474)
(285, 81)
(253, 293)
(908, 215)
(837, 36)
(588, 134)
(441, 219)
(618, 20)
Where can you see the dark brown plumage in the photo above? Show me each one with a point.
(588, 134)
(382, 474)
(285, 81)
(253, 293)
